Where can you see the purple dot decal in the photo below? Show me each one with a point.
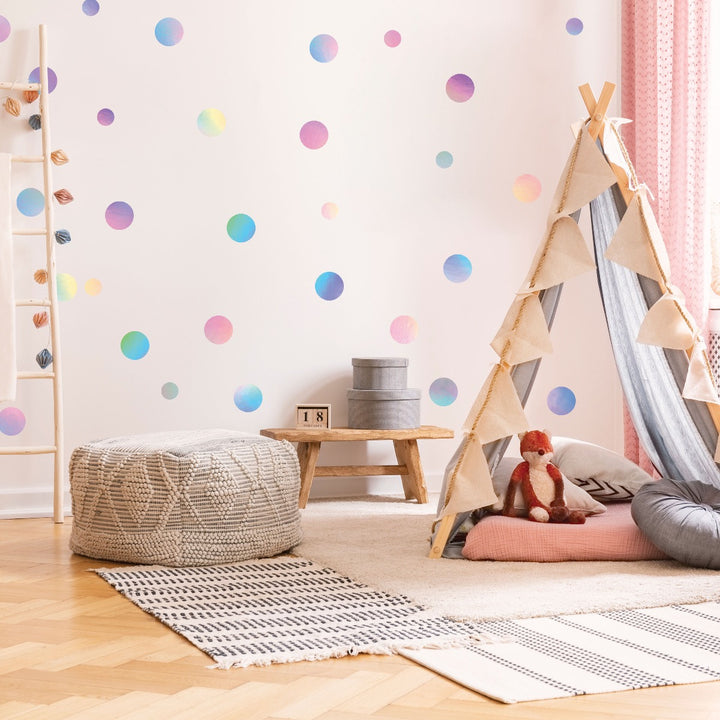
(169, 31)
(574, 26)
(323, 48)
(444, 159)
(527, 188)
(313, 134)
(403, 329)
(329, 286)
(443, 391)
(134, 345)
(30, 202)
(329, 210)
(106, 116)
(119, 215)
(34, 77)
(211, 122)
(460, 88)
(169, 390)
(91, 7)
(248, 398)
(12, 421)
(218, 329)
(240, 227)
(392, 38)
(561, 400)
(457, 268)
(4, 28)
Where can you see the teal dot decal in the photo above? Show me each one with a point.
(211, 122)
(30, 202)
(119, 215)
(323, 48)
(134, 345)
(66, 286)
(443, 391)
(248, 398)
(444, 159)
(561, 400)
(4, 28)
(34, 77)
(169, 390)
(241, 227)
(12, 421)
(329, 286)
(218, 329)
(91, 7)
(168, 31)
(457, 268)
(574, 26)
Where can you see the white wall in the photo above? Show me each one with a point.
(400, 214)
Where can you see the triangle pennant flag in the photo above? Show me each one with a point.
(638, 244)
(562, 255)
(497, 411)
(667, 325)
(524, 334)
(699, 383)
(585, 176)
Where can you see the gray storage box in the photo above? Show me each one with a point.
(384, 409)
(387, 373)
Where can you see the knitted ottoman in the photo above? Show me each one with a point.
(185, 498)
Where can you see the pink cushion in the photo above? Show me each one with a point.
(610, 536)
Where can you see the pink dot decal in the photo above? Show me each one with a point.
(119, 215)
(218, 329)
(4, 28)
(403, 329)
(12, 421)
(106, 116)
(323, 48)
(527, 188)
(313, 135)
(330, 210)
(392, 38)
(460, 88)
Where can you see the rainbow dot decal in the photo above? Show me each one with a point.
(457, 268)
(12, 421)
(240, 227)
(444, 159)
(218, 329)
(168, 31)
(119, 215)
(66, 286)
(443, 391)
(527, 188)
(91, 7)
(561, 400)
(403, 329)
(329, 286)
(4, 28)
(574, 26)
(34, 77)
(169, 390)
(134, 345)
(93, 286)
(248, 398)
(30, 202)
(313, 135)
(460, 88)
(392, 38)
(106, 116)
(330, 210)
(211, 122)
(323, 48)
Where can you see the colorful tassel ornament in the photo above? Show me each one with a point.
(63, 196)
(44, 358)
(30, 95)
(40, 276)
(12, 106)
(62, 237)
(40, 319)
(59, 157)
(35, 122)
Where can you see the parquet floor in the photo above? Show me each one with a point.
(71, 647)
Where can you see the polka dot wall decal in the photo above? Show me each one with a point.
(119, 215)
(527, 188)
(323, 48)
(248, 398)
(4, 28)
(444, 159)
(66, 286)
(169, 390)
(211, 122)
(443, 391)
(574, 26)
(30, 202)
(106, 116)
(392, 38)
(12, 421)
(313, 135)
(134, 345)
(240, 227)
(457, 268)
(561, 400)
(460, 88)
(218, 329)
(168, 31)
(403, 329)
(93, 286)
(330, 210)
(34, 77)
(329, 286)
(91, 7)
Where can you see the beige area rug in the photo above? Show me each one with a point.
(384, 542)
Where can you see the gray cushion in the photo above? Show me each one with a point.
(682, 519)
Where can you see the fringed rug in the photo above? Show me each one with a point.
(281, 609)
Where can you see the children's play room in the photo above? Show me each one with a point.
(359, 359)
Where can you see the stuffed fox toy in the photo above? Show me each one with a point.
(540, 482)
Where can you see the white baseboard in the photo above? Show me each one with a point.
(29, 503)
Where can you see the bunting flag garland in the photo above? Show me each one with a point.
(63, 196)
(667, 324)
(524, 334)
(699, 383)
(44, 358)
(40, 276)
(35, 121)
(30, 96)
(40, 319)
(59, 157)
(12, 106)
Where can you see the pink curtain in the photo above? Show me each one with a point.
(664, 86)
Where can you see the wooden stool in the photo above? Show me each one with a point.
(404, 441)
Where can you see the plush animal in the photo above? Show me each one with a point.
(540, 483)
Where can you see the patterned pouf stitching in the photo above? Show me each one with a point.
(185, 498)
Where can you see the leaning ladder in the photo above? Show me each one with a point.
(51, 302)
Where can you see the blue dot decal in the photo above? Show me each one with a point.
(457, 268)
(329, 286)
(241, 227)
(134, 345)
(323, 48)
(169, 31)
(91, 7)
(30, 202)
(444, 159)
(169, 390)
(34, 77)
(248, 398)
(443, 391)
(561, 400)
(574, 26)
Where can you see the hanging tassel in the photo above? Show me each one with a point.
(59, 157)
(40, 276)
(40, 319)
(35, 122)
(12, 106)
(63, 196)
(30, 95)
(62, 237)
(44, 358)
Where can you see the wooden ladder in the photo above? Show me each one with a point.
(51, 301)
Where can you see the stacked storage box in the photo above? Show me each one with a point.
(380, 398)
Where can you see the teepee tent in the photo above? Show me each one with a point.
(660, 355)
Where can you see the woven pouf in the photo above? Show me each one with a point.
(185, 498)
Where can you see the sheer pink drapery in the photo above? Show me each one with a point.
(664, 88)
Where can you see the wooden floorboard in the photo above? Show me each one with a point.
(71, 647)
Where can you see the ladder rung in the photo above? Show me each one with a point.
(43, 231)
(32, 301)
(28, 158)
(34, 374)
(28, 450)
(19, 86)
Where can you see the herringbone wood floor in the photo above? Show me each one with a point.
(71, 647)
